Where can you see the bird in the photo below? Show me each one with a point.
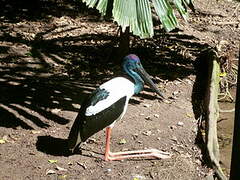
(108, 104)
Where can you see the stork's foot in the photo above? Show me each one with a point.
(152, 153)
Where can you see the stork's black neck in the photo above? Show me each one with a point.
(136, 79)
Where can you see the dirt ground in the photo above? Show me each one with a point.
(51, 60)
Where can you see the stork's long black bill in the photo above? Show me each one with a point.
(148, 81)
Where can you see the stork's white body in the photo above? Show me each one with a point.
(117, 87)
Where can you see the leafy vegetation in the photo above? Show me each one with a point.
(137, 14)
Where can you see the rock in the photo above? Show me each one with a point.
(147, 105)
(147, 133)
(180, 123)
(50, 171)
(148, 118)
(60, 168)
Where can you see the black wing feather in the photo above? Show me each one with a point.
(99, 121)
(85, 126)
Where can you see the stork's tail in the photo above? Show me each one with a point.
(74, 138)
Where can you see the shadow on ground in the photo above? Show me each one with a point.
(16, 11)
(53, 146)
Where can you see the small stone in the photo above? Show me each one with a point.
(156, 115)
(35, 132)
(55, 111)
(70, 163)
(188, 81)
(167, 101)
(49, 171)
(147, 105)
(195, 130)
(175, 93)
(77, 106)
(172, 127)
(67, 99)
(174, 139)
(147, 133)
(180, 123)
(136, 135)
(148, 118)
(55, 102)
(91, 141)
(177, 82)
(60, 168)
(108, 170)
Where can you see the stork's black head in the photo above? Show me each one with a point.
(133, 67)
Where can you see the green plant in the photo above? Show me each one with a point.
(137, 14)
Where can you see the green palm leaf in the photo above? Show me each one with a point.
(137, 15)
(102, 6)
(180, 7)
(165, 13)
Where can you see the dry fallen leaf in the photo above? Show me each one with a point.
(62, 177)
(122, 141)
(189, 115)
(52, 161)
(135, 178)
(2, 141)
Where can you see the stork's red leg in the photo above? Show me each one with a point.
(110, 156)
(107, 148)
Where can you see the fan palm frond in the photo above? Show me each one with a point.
(137, 15)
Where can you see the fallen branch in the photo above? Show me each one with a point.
(226, 23)
(224, 111)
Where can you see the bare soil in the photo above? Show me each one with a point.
(53, 54)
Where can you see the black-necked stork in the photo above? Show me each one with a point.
(107, 104)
